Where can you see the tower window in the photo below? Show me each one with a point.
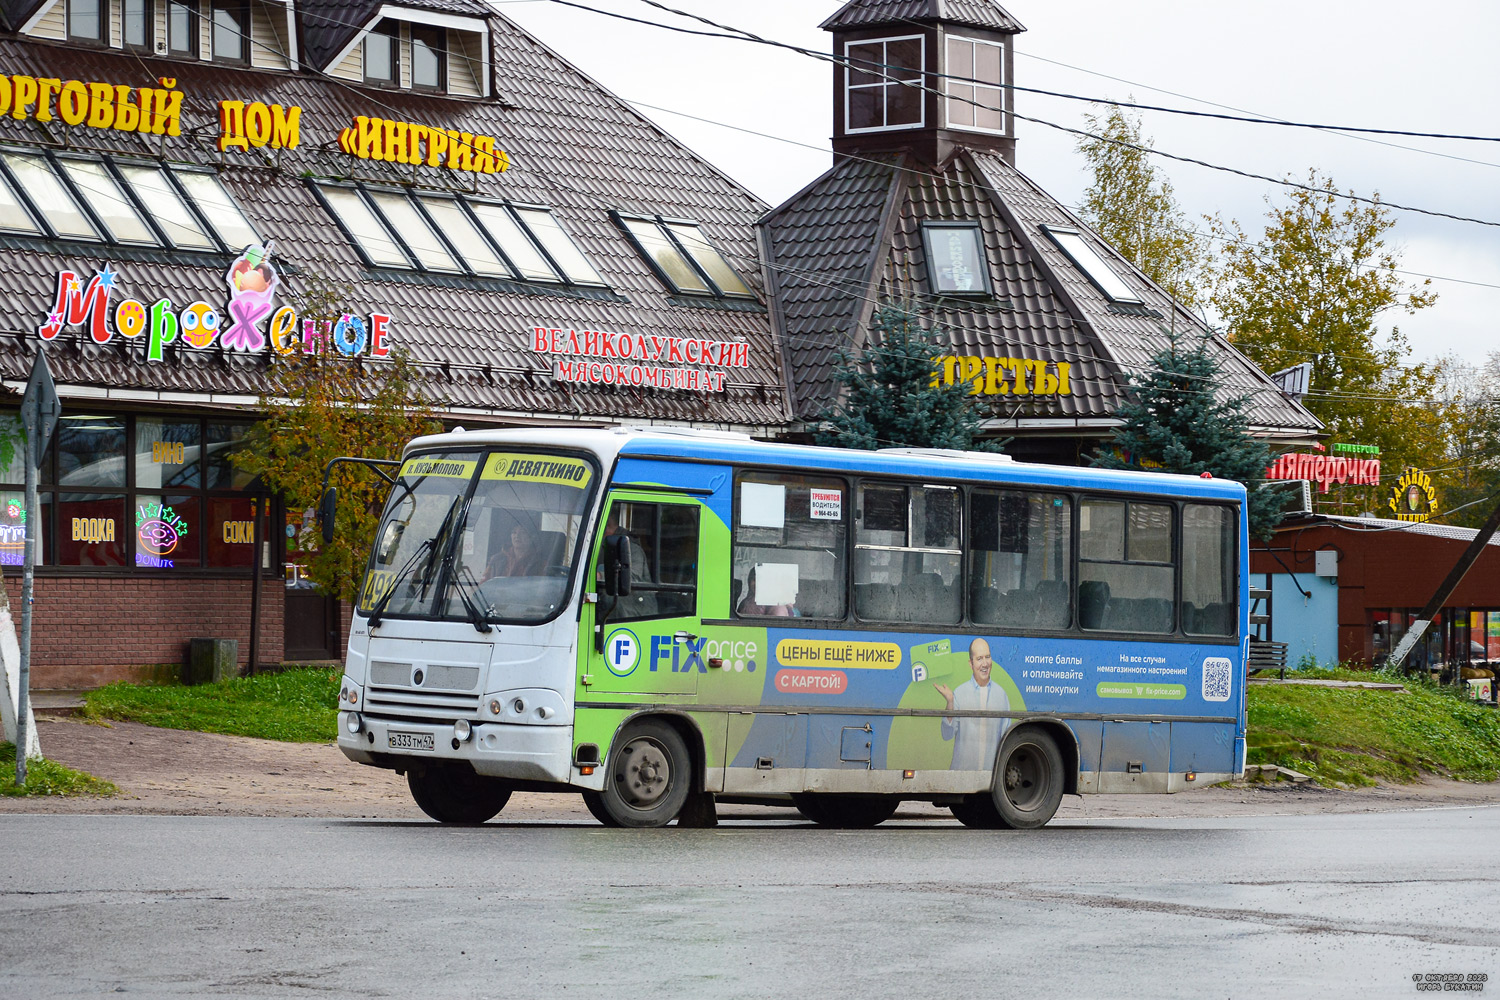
(182, 28)
(883, 84)
(979, 104)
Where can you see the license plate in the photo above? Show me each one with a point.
(409, 741)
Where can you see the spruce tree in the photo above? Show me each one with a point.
(1176, 417)
(893, 394)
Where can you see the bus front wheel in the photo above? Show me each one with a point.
(649, 778)
(1028, 779)
(846, 812)
(457, 794)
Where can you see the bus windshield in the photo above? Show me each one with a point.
(472, 534)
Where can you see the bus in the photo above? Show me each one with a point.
(662, 619)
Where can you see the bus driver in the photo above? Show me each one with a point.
(977, 739)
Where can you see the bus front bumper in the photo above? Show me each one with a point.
(495, 749)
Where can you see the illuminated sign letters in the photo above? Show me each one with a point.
(1326, 469)
(258, 124)
(408, 142)
(1413, 497)
(638, 359)
(147, 110)
(1006, 376)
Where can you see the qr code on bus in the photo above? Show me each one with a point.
(1216, 674)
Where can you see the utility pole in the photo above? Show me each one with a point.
(1445, 590)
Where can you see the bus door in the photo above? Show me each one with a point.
(646, 642)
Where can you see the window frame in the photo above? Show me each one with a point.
(884, 84)
(845, 483)
(148, 16)
(1174, 507)
(127, 192)
(194, 32)
(440, 49)
(101, 8)
(239, 12)
(33, 206)
(389, 28)
(986, 289)
(624, 494)
(1004, 104)
(961, 497)
(1085, 266)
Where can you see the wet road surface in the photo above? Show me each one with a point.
(1290, 906)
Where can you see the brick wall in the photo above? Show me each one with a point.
(89, 631)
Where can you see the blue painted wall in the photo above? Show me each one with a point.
(1309, 625)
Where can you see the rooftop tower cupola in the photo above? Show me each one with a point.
(921, 76)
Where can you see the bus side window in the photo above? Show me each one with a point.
(908, 553)
(790, 536)
(1125, 566)
(1021, 564)
(1209, 599)
(663, 559)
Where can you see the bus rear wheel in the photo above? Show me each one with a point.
(846, 812)
(1028, 780)
(457, 794)
(649, 778)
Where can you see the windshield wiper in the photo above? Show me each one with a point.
(476, 617)
(428, 546)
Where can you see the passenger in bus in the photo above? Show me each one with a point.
(523, 557)
(749, 607)
(975, 740)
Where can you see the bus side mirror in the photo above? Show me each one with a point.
(326, 512)
(617, 566)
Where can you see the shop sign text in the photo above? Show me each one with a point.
(256, 124)
(638, 359)
(147, 110)
(1413, 497)
(1006, 376)
(408, 142)
(1326, 469)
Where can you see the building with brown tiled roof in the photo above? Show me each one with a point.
(468, 184)
(924, 205)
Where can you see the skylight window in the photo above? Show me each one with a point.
(1084, 257)
(513, 241)
(559, 246)
(13, 214)
(109, 203)
(368, 233)
(466, 239)
(218, 208)
(956, 261)
(35, 177)
(170, 212)
(423, 243)
(683, 258)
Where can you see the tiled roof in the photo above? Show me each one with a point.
(1451, 532)
(16, 12)
(869, 13)
(573, 146)
(827, 275)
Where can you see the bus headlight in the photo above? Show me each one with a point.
(462, 730)
(353, 723)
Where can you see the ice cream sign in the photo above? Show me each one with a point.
(247, 322)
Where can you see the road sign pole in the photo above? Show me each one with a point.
(40, 410)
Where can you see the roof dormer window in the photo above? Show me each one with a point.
(136, 24)
(86, 20)
(429, 58)
(883, 84)
(231, 31)
(182, 28)
(382, 54)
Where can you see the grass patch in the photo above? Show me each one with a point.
(296, 706)
(47, 777)
(1358, 736)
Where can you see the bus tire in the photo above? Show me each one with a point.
(1028, 779)
(457, 794)
(846, 812)
(650, 775)
(978, 812)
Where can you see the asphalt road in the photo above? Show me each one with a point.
(1292, 906)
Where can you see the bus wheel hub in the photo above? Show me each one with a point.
(646, 773)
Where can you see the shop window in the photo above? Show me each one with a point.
(663, 559)
(111, 207)
(559, 246)
(790, 535)
(364, 227)
(465, 237)
(215, 204)
(182, 28)
(908, 553)
(167, 530)
(1021, 564)
(90, 451)
(403, 218)
(1093, 266)
(33, 175)
(682, 257)
(12, 454)
(13, 529)
(136, 23)
(86, 20)
(1209, 592)
(512, 240)
(956, 261)
(382, 45)
(230, 538)
(221, 443)
(429, 58)
(231, 32)
(167, 454)
(1125, 571)
(883, 80)
(168, 210)
(92, 530)
(975, 99)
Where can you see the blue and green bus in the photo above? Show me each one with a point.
(663, 619)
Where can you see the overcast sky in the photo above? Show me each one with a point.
(1371, 63)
